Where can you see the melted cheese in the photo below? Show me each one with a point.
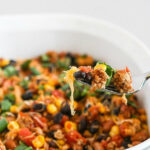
(69, 78)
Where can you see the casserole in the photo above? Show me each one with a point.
(25, 36)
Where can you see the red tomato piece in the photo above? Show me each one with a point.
(57, 93)
(127, 69)
(117, 139)
(104, 143)
(64, 119)
(74, 136)
(85, 69)
(26, 136)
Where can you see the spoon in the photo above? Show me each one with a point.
(138, 83)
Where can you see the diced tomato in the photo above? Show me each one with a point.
(127, 69)
(58, 93)
(26, 136)
(64, 119)
(124, 70)
(22, 114)
(85, 69)
(43, 119)
(117, 139)
(104, 143)
(74, 136)
(93, 112)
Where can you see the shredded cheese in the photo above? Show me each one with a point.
(124, 99)
(120, 121)
(69, 78)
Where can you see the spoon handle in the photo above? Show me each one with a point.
(148, 76)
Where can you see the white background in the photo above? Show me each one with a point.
(133, 15)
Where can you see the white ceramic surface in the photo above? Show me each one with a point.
(24, 36)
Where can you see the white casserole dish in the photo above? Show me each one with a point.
(24, 36)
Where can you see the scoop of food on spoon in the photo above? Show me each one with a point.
(107, 79)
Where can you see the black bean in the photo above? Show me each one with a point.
(39, 107)
(65, 109)
(27, 95)
(87, 107)
(50, 134)
(25, 110)
(83, 76)
(52, 144)
(127, 140)
(58, 117)
(57, 86)
(94, 127)
(80, 75)
(82, 125)
(88, 78)
(87, 147)
(94, 63)
(12, 62)
(116, 111)
(102, 137)
(72, 58)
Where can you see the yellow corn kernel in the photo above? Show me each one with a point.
(41, 149)
(52, 109)
(69, 126)
(100, 66)
(102, 108)
(13, 125)
(48, 87)
(51, 82)
(75, 104)
(14, 109)
(60, 142)
(4, 63)
(69, 74)
(114, 131)
(38, 141)
(58, 102)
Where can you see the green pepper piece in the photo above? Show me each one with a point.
(34, 71)
(29, 148)
(10, 97)
(5, 105)
(132, 104)
(45, 58)
(3, 124)
(24, 83)
(10, 71)
(25, 65)
(46, 64)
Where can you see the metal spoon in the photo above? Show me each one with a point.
(137, 83)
